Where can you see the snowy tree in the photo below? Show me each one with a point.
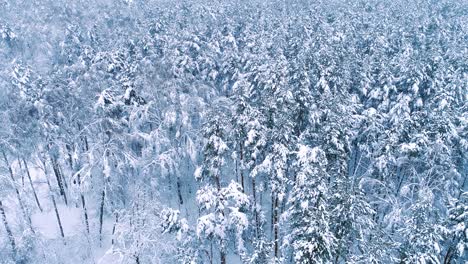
(311, 237)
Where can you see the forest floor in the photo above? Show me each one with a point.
(77, 246)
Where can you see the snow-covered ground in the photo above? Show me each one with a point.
(77, 246)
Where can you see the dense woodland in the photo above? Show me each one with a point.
(233, 131)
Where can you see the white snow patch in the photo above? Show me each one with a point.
(46, 222)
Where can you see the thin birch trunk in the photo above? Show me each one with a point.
(11, 238)
(57, 215)
(275, 226)
(18, 196)
(59, 179)
(21, 172)
(64, 181)
(32, 185)
(101, 216)
(257, 224)
(113, 228)
(241, 169)
(179, 191)
(83, 204)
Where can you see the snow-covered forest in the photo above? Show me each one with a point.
(231, 131)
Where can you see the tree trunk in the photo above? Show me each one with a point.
(237, 170)
(101, 215)
(254, 191)
(241, 169)
(86, 143)
(113, 228)
(223, 257)
(64, 181)
(272, 213)
(179, 192)
(59, 179)
(18, 196)
(21, 171)
(218, 183)
(57, 215)
(70, 159)
(7, 228)
(32, 185)
(211, 252)
(449, 255)
(276, 226)
(83, 138)
(83, 204)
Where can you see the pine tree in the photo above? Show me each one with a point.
(311, 237)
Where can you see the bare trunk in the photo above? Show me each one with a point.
(218, 183)
(21, 171)
(70, 159)
(449, 255)
(7, 228)
(83, 204)
(272, 213)
(276, 226)
(222, 253)
(101, 215)
(18, 196)
(59, 179)
(32, 185)
(211, 252)
(64, 181)
(57, 215)
(254, 191)
(86, 143)
(242, 167)
(223, 257)
(113, 228)
(179, 192)
(83, 138)
(237, 170)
